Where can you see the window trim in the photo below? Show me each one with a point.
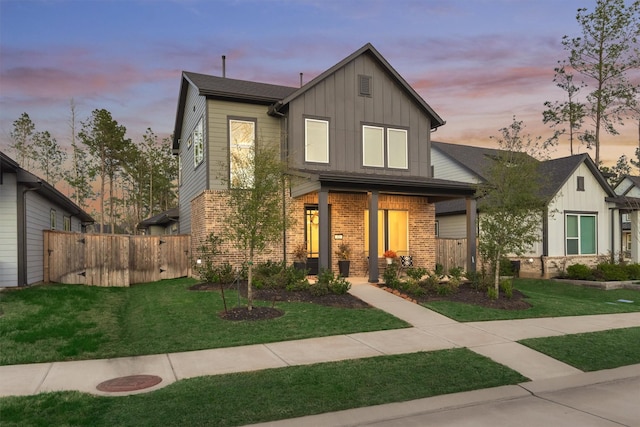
(386, 130)
(306, 136)
(66, 223)
(382, 146)
(580, 215)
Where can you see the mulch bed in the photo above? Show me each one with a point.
(466, 294)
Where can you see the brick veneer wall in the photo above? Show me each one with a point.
(347, 218)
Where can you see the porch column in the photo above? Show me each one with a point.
(373, 237)
(471, 233)
(323, 230)
(634, 216)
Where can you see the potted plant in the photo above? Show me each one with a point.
(300, 256)
(344, 259)
(390, 255)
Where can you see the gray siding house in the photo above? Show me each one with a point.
(357, 140)
(29, 205)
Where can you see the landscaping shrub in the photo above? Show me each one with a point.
(416, 273)
(492, 293)
(611, 272)
(339, 286)
(456, 272)
(506, 269)
(448, 288)
(506, 287)
(430, 284)
(439, 270)
(479, 280)
(412, 287)
(633, 271)
(329, 283)
(390, 276)
(277, 275)
(579, 272)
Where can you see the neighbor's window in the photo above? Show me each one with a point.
(198, 143)
(374, 154)
(393, 231)
(437, 229)
(52, 219)
(66, 223)
(581, 234)
(316, 141)
(372, 146)
(581, 183)
(242, 140)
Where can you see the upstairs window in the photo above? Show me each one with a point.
(52, 219)
(198, 143)
(242, 141)
(380, 149)
(580, 183)
(316, 141)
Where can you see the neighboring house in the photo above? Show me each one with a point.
(628, 197)
(29, 205)
(358, 139)
(582, 224)
(166, 222)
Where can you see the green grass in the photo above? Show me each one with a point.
(548, 299)
(237, 399)
(592, 351)
(73, 322)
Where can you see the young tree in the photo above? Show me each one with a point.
(105, 141)
(511, 207)
(79, 177)
(255, 200)
(604, 54)
(569, 112)
(22, 133)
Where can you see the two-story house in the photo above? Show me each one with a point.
(628, 198)
(582, 224)
(358, 139)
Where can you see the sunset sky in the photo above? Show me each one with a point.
(476, 62)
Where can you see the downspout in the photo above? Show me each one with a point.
(22, 238)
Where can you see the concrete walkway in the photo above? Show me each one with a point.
(430, 331)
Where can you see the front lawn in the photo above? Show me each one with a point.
(252, 397)
(592, 351)
(72, 322)
(547, 299)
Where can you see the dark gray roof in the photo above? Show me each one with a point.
(556, 172)
(213, 86)
(163, 218)
(635, 182)
(41, 187)
(474, 159)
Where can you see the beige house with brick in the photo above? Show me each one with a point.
(357, 139)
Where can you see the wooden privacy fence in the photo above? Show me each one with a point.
(451, 253)
(114, 259)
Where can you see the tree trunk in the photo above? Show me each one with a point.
(496, 283)
(249, 281)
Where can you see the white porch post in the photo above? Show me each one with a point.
(634, 216)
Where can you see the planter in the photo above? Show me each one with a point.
(389, 261)
(299, 265)
(343, 267)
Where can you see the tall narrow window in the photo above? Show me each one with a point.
(66, 223)
(198, 143)
(373, 146)
(580, 183)
(52, 219)
(581, 234)
(316, 141)
(242, 140)
(397, 148)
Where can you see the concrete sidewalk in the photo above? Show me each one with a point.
(430, 331)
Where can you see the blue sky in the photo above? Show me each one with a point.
(476, 62)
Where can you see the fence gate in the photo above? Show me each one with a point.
(451, 253)
(113, 259)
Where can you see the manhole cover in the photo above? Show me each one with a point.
(130, 383)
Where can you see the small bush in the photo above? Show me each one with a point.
(390, 276)
(329, 283)
(611, 271)
(448, 288)
(439, 270)
(579, 272)
(412, 287)
(479, 280)
(339, 286)
(506, 287)
(633, 271)
(430, 284)
(319, 289)
(506, 268)
(492, 293)
(456, 272)
(416, 273)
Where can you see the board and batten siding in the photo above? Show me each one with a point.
(568, 199)
(446, 168)
(194, 179)
(218, 115)
(8, 231)
(336, 99)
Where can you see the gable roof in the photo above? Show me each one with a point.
(367, 49)
(473, 159)
(634, 181)
(41, 187)
(556, 172)
(163, 218)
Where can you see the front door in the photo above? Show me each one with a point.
(312, 237)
